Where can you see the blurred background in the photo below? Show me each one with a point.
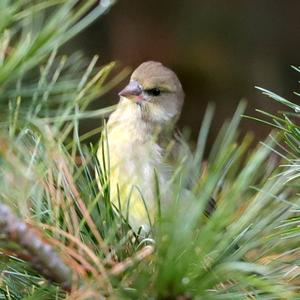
(220, 50)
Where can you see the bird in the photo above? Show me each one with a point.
(139, 144)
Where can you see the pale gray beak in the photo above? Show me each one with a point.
(132, 89)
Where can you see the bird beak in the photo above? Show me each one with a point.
(132, 89)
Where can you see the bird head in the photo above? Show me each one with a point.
(156, 91)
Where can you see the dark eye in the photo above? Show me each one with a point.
(154, 92)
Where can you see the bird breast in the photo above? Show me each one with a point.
(134, 156)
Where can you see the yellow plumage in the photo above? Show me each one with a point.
(132, 142)
(134, 156)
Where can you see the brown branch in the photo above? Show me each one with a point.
(41, 255)
(131, 261)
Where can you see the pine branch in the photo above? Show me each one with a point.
(41, 256)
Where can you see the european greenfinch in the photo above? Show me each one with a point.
(136, 143)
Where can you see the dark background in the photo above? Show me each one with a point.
(219, 49)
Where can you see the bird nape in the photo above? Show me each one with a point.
(138, 150)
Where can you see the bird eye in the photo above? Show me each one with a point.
(153, 92)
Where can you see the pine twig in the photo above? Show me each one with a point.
(41, 256)
(131, 261)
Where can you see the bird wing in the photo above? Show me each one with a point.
(177, 153)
